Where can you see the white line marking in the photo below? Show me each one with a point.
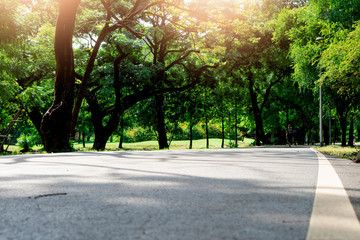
(333, 216)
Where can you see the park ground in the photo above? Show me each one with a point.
(333, 150)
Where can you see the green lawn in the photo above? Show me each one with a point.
(153, 145)
(148, 145)
(338, 151)
(334, 150)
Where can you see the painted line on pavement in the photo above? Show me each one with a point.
(333, 216)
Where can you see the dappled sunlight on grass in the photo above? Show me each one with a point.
(338, 151)
(174, 145)
(145, 146)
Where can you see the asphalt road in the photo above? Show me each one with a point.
(253, 193)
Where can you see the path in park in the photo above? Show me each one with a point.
(253, 193)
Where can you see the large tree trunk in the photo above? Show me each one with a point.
(259, 131)
(89, 68)
(160, 121)
(259, 128)
(121, 133)
(102, 134)
(56, 122)
(36, 118)
(101, 138)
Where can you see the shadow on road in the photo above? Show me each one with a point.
(235, 194)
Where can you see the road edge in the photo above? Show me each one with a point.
(333, 216)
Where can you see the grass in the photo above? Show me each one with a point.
(175, 145)
(147, 145)
(333, 150)
(338, 151)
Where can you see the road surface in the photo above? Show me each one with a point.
(252, 193)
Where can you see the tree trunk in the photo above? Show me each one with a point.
(337, 133)
(79, 137)
(343, 126)
(229, 126)
(259, 131)
(191, 135)
(351, 133)
(207, 132)
(83, 139)
(89, 68)
(100, 140)
(56, 122)
(160, 121)
(102, 134)
(236, 128)
(121, 133)
(222, 131)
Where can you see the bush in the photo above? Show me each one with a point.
(198, 132)
(215, 130)
(178, 132)
(233, 145)
(25, 142)
(139, 134)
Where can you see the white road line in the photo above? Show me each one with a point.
(333, 216)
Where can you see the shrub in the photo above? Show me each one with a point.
(215, 130)
(198, 132)
(139, 134)
(25, 142)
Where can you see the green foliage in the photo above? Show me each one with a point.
(341, 63)
(8, 26)
(139, 134)
(343, 12)
(182, 132)
(26, 142)
(233, 145)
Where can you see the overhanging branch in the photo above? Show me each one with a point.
(177, 61)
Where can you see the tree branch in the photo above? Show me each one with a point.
(180, 59)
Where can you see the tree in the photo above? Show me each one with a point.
(258, 62)
(340, 74)
(56, 122)
(169, 45)
(27, 59)
(8, 26)
(332, 20)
